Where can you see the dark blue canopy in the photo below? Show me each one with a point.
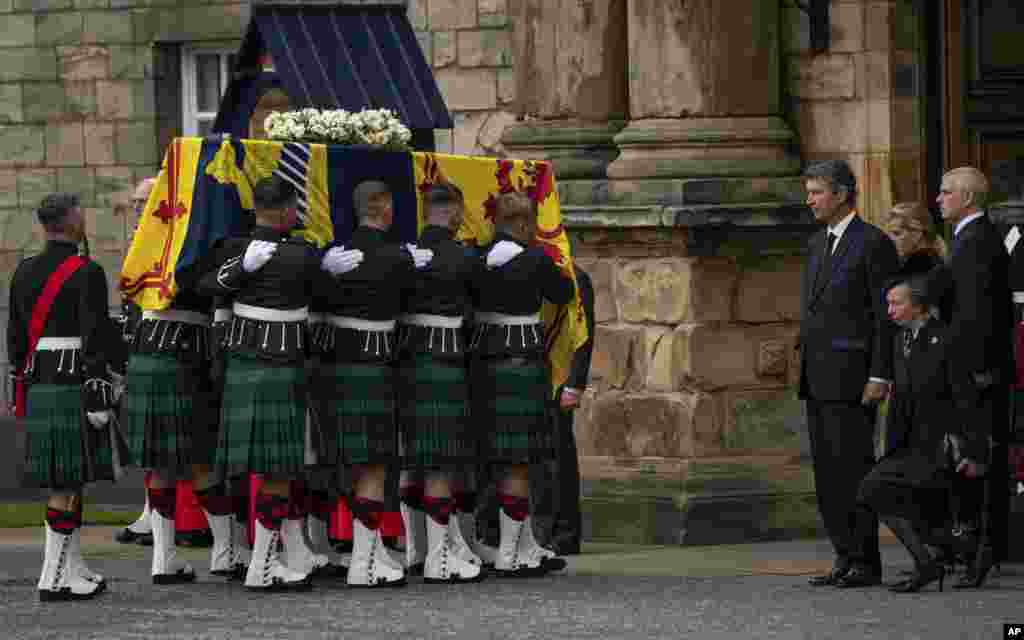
(333, 57)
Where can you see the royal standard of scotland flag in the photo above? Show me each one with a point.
(204, 194)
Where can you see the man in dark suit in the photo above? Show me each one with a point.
(979, 306)
(846, 365)
(558, 502)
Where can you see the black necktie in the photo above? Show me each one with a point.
(826, 264)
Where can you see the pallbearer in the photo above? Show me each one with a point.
(271, 277)
(57, 340)
(437, 435)
(356, 384)
(511, 385)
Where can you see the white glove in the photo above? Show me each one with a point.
(338, 261)
(99, 419)
(257, 254)
(501, 253)
(420, 257)
(117, 381)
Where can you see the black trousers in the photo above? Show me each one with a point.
(843, 453)
(556, 489)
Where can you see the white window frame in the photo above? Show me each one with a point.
(190, 114)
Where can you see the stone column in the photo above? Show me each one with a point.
(569, 58)
(704, 92)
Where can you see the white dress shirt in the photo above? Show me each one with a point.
(839, 228)
(963, 223)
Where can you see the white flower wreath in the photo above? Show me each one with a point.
(376, 127)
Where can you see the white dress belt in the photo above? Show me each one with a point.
(264, 314)
(178, 315)
(431, 320)
(58, 344)
(1018, 297)
(223, 315)
(490, 317)
(344, 322)
(316, 317)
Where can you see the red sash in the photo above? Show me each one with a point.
(40, 312)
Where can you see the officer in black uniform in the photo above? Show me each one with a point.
(511, 385)
(70, 396)
(271, 277)
(437, 436)
(356, 394)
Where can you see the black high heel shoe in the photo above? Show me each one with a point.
(975, 575)
(923, 577)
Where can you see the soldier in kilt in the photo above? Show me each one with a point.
(271, 277)
(510, 379)
(355, 392)
(57, 346)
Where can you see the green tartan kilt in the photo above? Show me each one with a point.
(62, 450)
(356, 413)
(433, 414)
(262, 417)
(169, 414)
(510, 403)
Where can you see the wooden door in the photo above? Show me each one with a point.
(984, 90)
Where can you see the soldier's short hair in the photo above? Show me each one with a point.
(513, 207)
(55, 207)
(364, 193)
(837, 175)
(274, 192)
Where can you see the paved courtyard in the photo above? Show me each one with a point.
(611, 591)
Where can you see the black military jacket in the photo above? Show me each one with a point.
(444, 289)
(517, 288)
(288, 281)
(79, 310)
(372, 291)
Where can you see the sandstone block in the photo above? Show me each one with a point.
(452, 14)
(492, 13)
(114, 186)
(847, 25)
(660, 374)
(640, 425)
(27, 64)
(674, 290)
(106, 233)
(8, 188)
(114, 99)
(445, 48)
(59, 28)
(41, 6)
(127, 62)
(22, 144)
(65, 144)
(99, 143)
(619, 359)
(762, 420)
(485, 48)
(19, 231)
(878, 26)
(711, 357)
(833, 127)
(80, 181)
(10, 103)
(215, 21)
(43, 101)
(83, 62)
(601, 274)
(80, 98)
(18, 30)
(468, 89)
(770, 292)
(135, 143)
(9, 261)
(33, 186)
(604, 427)
(506, 86)
(831, 77)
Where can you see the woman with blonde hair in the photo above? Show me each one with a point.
(919, 246)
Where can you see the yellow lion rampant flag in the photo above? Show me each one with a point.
(481, 180)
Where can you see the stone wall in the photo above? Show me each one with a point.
(862, 99)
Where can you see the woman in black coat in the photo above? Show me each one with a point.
(909, 487)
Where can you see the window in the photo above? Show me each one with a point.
(205, 74)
